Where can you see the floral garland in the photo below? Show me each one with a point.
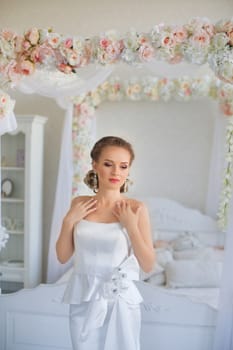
(157, 89)
(198, 41)
(152, 89)
(6, 105)
(227, 178)
(4, 236)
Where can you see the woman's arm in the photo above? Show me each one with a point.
(80, 207)
(137, 224)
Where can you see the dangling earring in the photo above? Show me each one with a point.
(95, 182)
(126, 186)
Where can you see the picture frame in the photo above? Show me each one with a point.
(7, 187)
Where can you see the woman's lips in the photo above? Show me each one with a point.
(112, 180)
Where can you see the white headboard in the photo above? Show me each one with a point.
(170, 218)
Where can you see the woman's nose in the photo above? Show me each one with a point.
(114, 170)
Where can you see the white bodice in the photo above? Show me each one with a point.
(99, 247)
(104, 265)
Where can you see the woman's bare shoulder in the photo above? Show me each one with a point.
(135, 203)
(80, 199)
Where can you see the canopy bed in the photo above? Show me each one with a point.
(25, 61)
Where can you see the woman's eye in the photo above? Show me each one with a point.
(107, 164)
(124, 166)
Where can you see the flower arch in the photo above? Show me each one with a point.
(152, 89)
(199, 41)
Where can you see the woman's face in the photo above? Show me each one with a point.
(112, 167)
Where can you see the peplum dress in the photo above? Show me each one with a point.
(104, 301)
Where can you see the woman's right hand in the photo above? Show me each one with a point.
(80, 208)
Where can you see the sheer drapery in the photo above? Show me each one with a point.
(223, 338)
(8, 123)
(62, 196)
(224, 330)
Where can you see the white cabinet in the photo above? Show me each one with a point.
(21, 203)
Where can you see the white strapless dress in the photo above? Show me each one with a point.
(104, 301)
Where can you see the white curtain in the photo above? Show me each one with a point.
(8, 123)
(223, 339)
(62, 196)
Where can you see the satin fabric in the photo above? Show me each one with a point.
(104, 301)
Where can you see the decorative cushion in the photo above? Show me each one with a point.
(193, 273)
(163, 256)
(157, 269)
(207, 253)
(186, 240)
(157, 279)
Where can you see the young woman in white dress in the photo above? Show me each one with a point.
(110, 238)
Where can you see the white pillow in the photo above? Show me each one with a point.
(163, 256)
(157, 279)
(189, 254)
(193, 273)
(187, 240)
(157, 269)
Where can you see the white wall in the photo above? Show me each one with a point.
(172, 143)
(179, 130)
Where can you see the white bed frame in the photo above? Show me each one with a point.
(31, 320)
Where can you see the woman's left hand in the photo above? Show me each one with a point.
(127, 216)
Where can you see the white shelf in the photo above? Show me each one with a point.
(15, 232)
(12, 200)
(12, 168)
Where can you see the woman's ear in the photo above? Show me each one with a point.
(94, 165)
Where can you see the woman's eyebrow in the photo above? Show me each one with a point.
(109, 160)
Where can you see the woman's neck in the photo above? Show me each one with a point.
(108, 197)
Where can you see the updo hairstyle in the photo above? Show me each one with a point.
(91, 178)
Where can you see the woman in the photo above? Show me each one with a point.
(109, 234)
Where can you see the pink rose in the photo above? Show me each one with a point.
(68, 43)
(3, 100)
(26, 45)
(168, 41)
(227, 109)
(146, 52)
(230, 35)
(180, 34)
(33, 36)
(104, 43)
(19, 43)
(54, 40)
(12, 71)
(39, 53)
(209, 28)
(86, 110)
(27, 67)
(8, 35)
(113, 50)
(65, 68)
(201, 38)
